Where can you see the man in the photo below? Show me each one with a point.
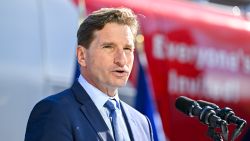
(91, 110)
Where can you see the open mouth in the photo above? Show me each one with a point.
(120, 73)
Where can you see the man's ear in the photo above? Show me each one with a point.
(81, 55)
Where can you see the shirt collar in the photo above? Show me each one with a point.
(98, 97)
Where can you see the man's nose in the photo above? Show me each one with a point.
(120, 58)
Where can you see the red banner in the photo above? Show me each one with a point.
(195, 51)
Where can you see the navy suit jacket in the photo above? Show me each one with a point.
(72, 116)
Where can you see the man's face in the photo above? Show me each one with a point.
(108, 60)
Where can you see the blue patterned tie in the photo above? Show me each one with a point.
(116, 118)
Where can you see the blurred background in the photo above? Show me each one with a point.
(194, 48)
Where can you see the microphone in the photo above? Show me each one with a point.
(228, 115)
(206, 114)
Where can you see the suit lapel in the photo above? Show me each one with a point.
(91, 112)
(130, 122)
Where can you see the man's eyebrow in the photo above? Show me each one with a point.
(113, 44)
(108, 44)
(129, 46)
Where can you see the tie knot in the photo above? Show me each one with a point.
(111, 105)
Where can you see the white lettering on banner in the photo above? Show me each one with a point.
(158, 43)
(246, 64)
(183, 84)
(220, 69)
(201, 57)
(208, 87)
(220, 59)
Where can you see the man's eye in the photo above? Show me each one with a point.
(127, 48)
(107, 46)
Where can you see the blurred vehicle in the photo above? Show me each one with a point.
(37, 57)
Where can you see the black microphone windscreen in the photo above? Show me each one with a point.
(184, 104)
(203, 103)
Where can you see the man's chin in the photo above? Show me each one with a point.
(121, 84)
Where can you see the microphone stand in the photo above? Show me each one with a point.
(213, 134)
(237, 131)
(217, 136)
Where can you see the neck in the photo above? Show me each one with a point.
(110, 91)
